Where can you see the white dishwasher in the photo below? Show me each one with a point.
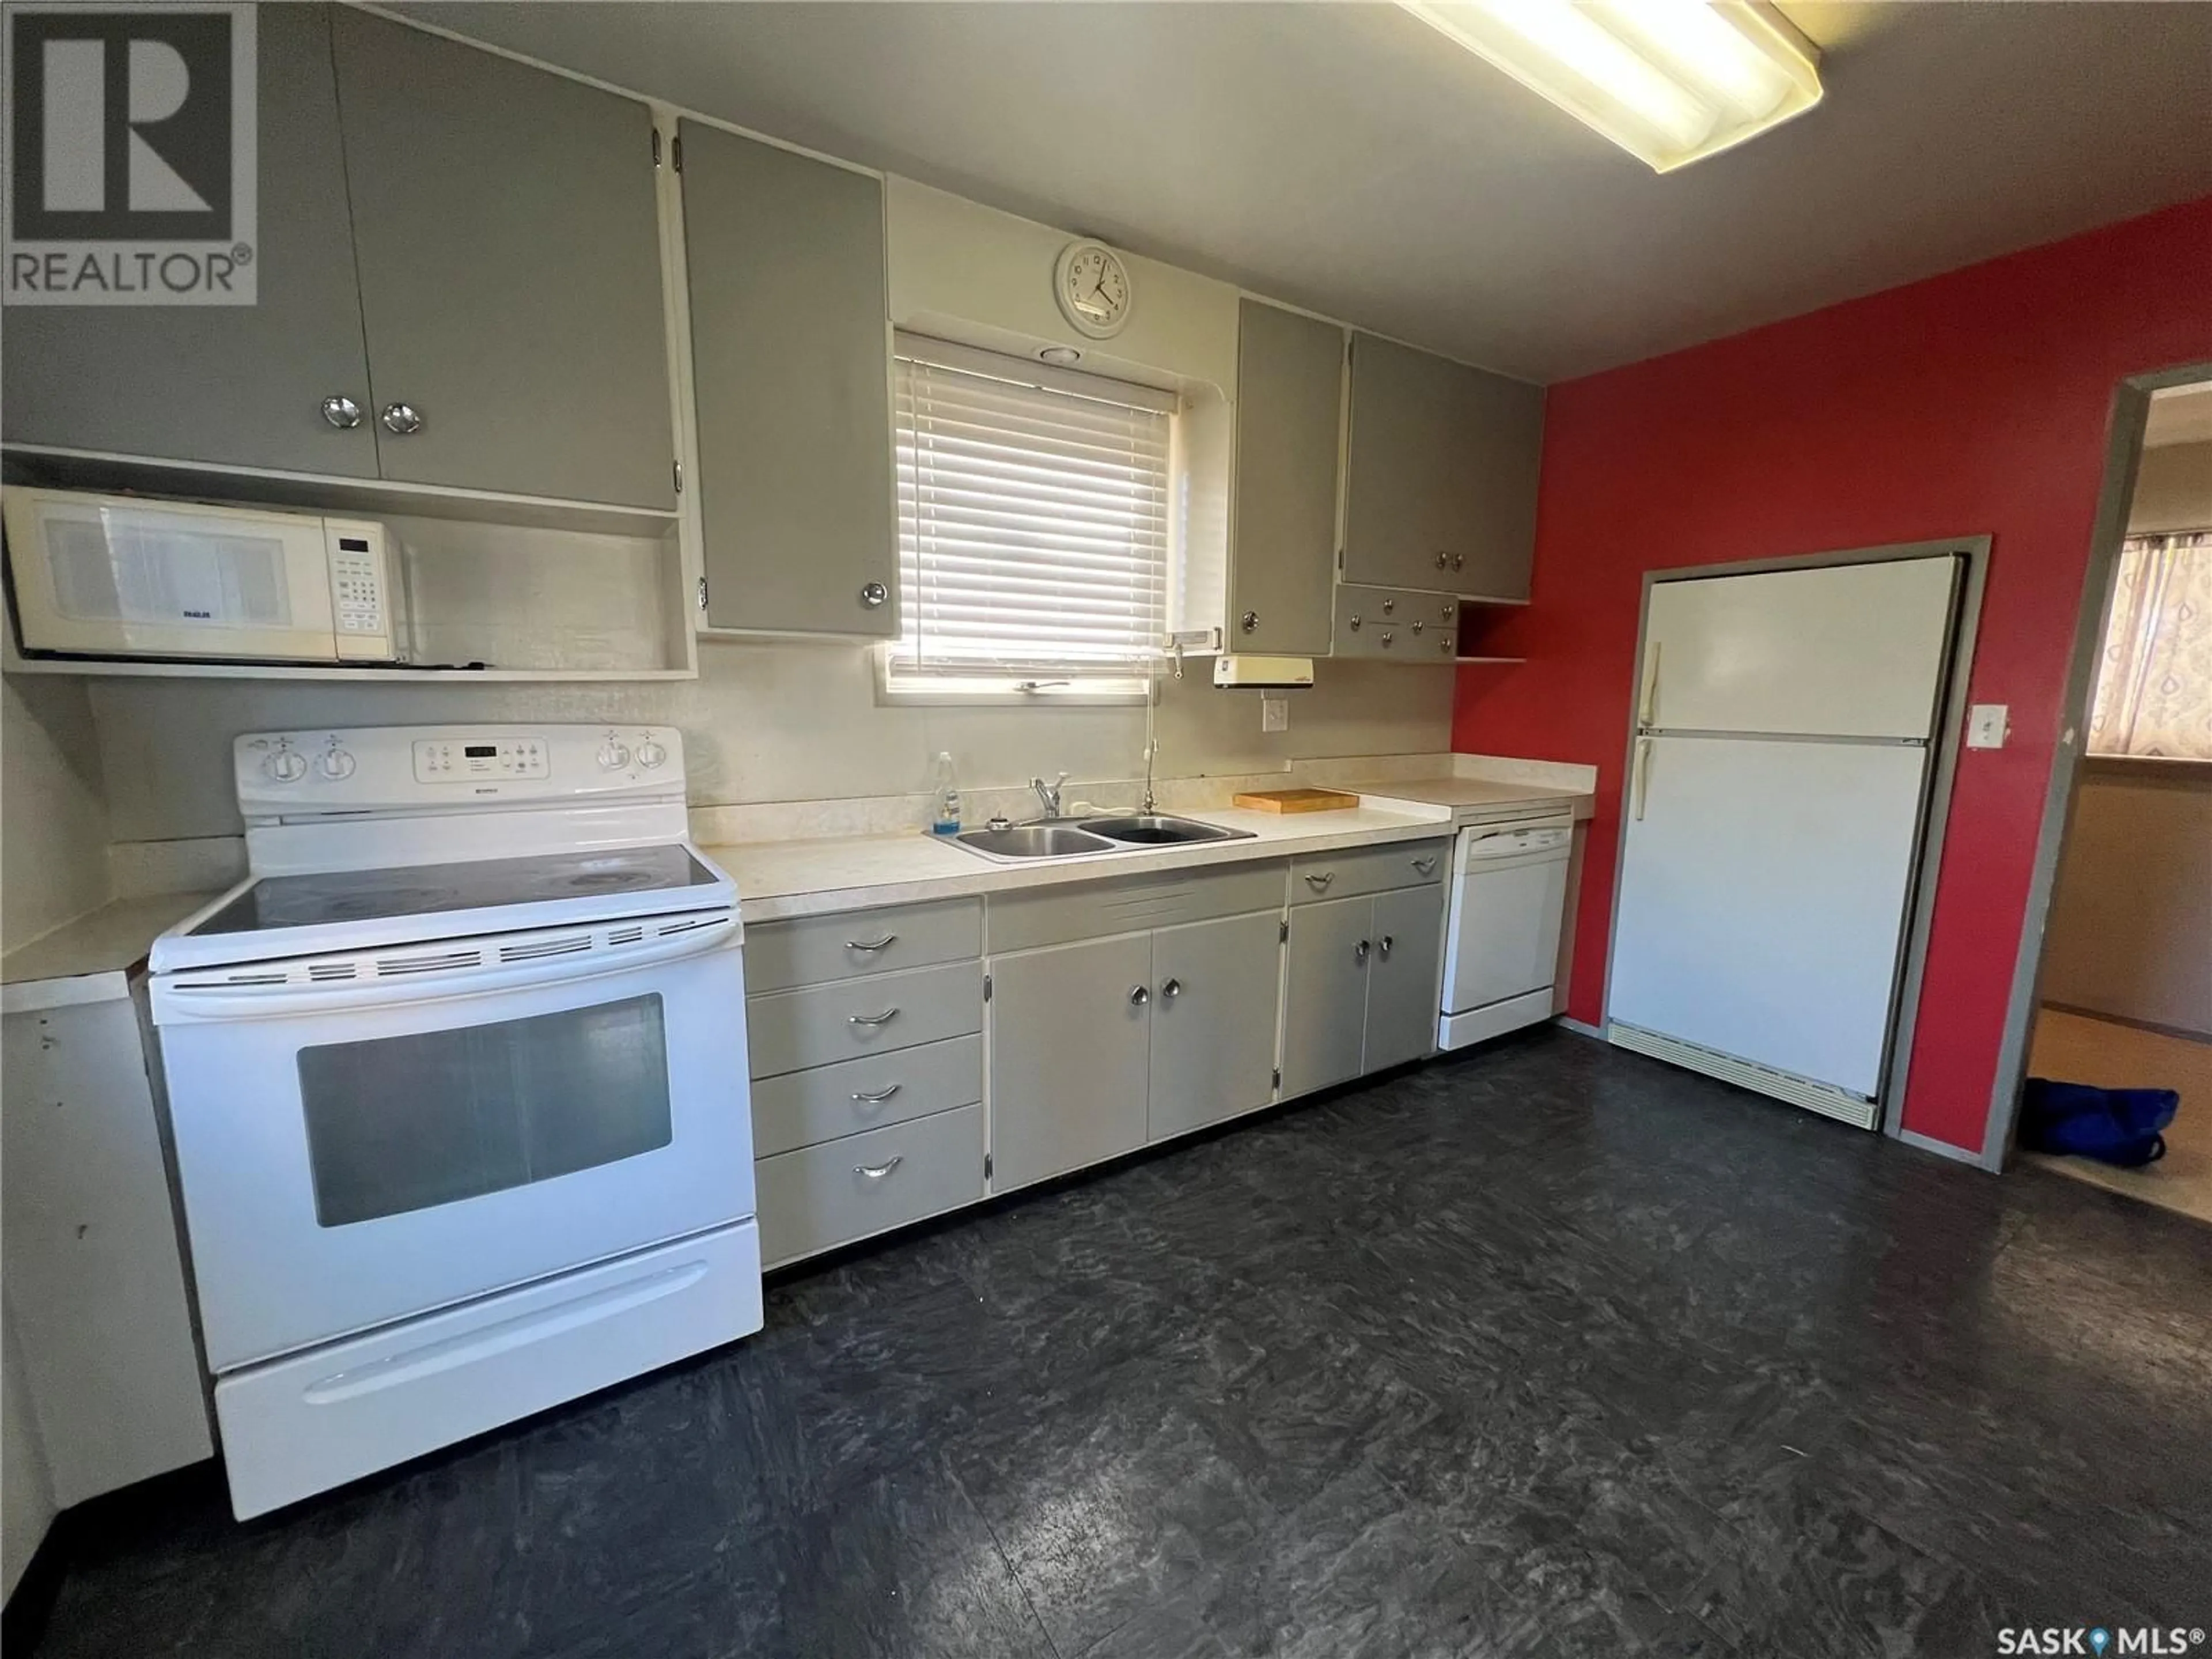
(1502, 949)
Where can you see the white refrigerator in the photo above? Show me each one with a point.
(1777, 787)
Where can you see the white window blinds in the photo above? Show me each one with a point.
(1033, 523)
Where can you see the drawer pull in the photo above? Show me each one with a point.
(876, 1098)
(1320, 879)
(1427, 866)
(882, 943)
(884, 1019)
(1388, 941)
(877, 1171)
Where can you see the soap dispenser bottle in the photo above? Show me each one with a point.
(945, 806)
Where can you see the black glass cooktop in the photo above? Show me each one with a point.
(343, 896)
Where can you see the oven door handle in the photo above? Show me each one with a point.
(179, 999)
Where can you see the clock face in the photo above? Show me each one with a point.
(1093, 289)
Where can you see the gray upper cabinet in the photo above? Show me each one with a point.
(506, 234)
(1402, 976)
(233, 386)
(1069, 1056)
(1440, 479)
(1214, 986)
(1290, 403)
(791, 374)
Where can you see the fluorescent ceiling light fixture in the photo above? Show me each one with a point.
(1671, 81)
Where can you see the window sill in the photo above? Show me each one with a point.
(993, 691)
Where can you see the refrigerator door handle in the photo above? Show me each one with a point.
(1641, 781)
(1649, 702)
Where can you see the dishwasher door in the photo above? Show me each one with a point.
(1501, 953)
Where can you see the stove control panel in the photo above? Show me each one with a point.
(459, 759)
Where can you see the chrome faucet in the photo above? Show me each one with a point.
(1048, 795)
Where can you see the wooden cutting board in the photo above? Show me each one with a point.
(1297, 800)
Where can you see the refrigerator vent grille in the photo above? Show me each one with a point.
(1823, 1098)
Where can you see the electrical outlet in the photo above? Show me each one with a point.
(1274, 714)
(1988, 724)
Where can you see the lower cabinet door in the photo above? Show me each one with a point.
(841, 1190)
(1070, 1055)
(1401, 977)
(1325, 992)
(1215, 985)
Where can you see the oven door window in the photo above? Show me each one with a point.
(403, 1123)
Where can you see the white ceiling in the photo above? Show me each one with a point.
(1348, 158)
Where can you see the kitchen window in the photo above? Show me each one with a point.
(1034, 512)
(2154, 677)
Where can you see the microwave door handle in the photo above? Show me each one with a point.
(183, 1000)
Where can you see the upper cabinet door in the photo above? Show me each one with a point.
(1290, 404)
(509, 255)
(232, 385)
(1440, 486)
(790, 371)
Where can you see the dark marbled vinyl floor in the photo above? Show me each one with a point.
(1546, 1350)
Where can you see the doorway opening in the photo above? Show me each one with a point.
(2121, 996)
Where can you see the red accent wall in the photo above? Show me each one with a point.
(1972, 403)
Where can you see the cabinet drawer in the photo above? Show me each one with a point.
(826, 1195)
(818, 950)
(794, 1029)
(1022, 922)
(1368, 869)
(801, 1108)
(1395, 623)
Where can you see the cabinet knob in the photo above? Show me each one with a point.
(1444, 645)
(1459, 560)
(1390, 607)
(401, 418)
(340, 411)
(1387, 636)
(1249, 620)
(1443, 561)
(873, 594)
(1355, 622)
(1359, 951)
(1417, 626)
(1388, 941)
(1139, 996)
(1171, 990)
(1448, 610)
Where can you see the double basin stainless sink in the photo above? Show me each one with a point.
(1068, 838)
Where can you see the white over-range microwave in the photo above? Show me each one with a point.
(119, 576)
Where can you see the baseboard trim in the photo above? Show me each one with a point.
(1580, 1025)
(2181, 1033)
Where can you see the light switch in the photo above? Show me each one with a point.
(1987, 725)
(1274, 714)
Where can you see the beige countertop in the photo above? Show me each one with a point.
(1472, 801)
(90, 959)
(784, 878)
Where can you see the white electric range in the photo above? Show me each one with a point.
(459, 1087)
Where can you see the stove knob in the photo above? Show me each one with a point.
(650, 754)
(335, 763)
(286, 765)
(613, 756)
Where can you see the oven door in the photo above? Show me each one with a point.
(362, 1138)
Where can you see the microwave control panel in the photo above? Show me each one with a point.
(360, 607)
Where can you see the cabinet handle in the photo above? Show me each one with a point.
(1355, 622)
(1171, 990)
(878, 1097)
(1359, 951)
(1387, 637)
(1139, 996)
(401, 419)
(1390, 607)
(1320, 879)
(884, 1019)
(877, 1171)
(882, 943)
(1249, 620)
(1643, 778)
(873, 594)
(340, 411)
(1649, 704)
(1427, 867)
(1459, 560)
(1388, 941)
(1443, 561)
(1444, 645)
(1417, 627)
(1448, 611)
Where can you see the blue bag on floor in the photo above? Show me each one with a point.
(2113, 1126)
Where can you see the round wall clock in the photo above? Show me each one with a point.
(1091, 284)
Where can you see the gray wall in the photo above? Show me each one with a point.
(764, 723)
(53, 857)
(2132, 914)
